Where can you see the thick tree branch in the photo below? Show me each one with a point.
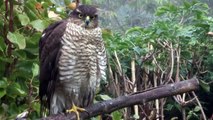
(133, 99)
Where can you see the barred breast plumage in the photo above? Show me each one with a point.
(72, 61)
(81, 64)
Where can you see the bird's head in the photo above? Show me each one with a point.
(85, 16)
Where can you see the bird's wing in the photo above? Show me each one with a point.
(49, 46)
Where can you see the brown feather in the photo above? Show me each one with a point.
(49, 46)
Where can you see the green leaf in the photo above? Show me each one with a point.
(24, 19)
(137, 50)
(13, 109)
(2, 92)
(116, 115)
(192, 42)
(34, 39)
(205, 86)
(20, 54)
(197, 109)
(88, 2)
(4, 59)
(35, 69)
(134, 29)
(36, 106)
(67, 2)
(186, 31)
(14, 89)
(105, 97)
(169, 107)
(190, 114)
(17, 39)
(30, 13)
(187, 5)
(2, 44)
(106, 34)
(3, 83)
(39, 25)
(166, 8)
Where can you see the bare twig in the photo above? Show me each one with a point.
(118, 63)
(201, 108)
(134, 82)
(177, 78)
(114, 84)
(183, 110)
(171, 62)
(130, 100)
(9, 12)
(11, 28)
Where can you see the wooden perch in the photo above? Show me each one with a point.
(130, 100)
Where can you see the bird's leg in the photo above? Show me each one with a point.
(76, 110)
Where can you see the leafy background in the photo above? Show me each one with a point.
(149, 43)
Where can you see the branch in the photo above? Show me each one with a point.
(8, 11)
(133, 99)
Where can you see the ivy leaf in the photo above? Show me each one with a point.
(39, 25)
(17, 39)
(24, 19)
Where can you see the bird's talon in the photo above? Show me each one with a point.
(76, 110)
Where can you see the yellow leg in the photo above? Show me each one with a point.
(76, 110)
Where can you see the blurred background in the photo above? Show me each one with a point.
(120, 15)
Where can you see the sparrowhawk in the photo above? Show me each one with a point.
(72, 61)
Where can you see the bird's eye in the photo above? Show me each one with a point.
(93, 17)
(80, 15)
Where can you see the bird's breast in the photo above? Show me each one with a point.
(78, 61)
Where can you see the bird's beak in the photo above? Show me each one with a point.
(87, 20)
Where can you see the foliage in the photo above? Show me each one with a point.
(121, 15)
(21, 26)
(173, 46)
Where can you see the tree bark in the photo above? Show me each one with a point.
(132, 99)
